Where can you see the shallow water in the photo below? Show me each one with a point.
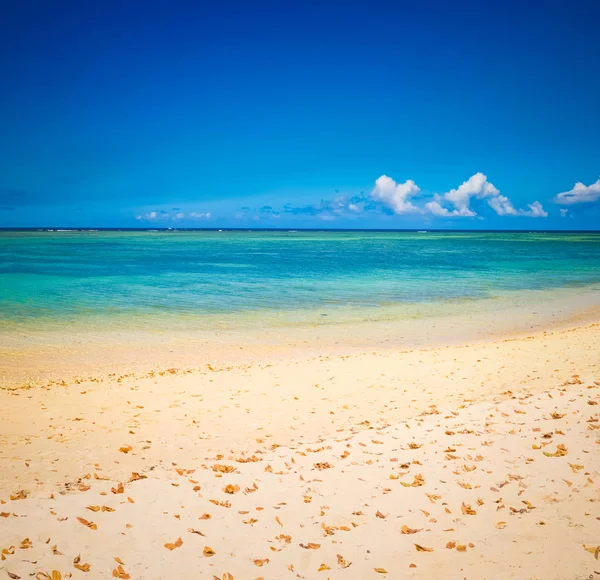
(230, 279)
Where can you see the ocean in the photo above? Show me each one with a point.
(145, 279)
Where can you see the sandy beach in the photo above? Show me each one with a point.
(476, 460)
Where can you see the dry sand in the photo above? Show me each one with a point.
(464, 461)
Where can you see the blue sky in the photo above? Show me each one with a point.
(463, 114)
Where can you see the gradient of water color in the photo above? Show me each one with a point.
(146, 278)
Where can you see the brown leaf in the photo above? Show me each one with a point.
(561, 451)
(56, 575)
(177, 544)
(13, 576)
(223, 468)
(322, 465)
(82, 567)
(126, 449)
(323, 567)
(93, 508)
(119, 572)
(310, 546)
(380, 515)
(193, 531)
(119, 561)
(461, 548)
(208, 551)
(260, 563)
(90, 525)
(501, 525)
(467, 510)
(595, 550)
(417, 482)
(342, 563)
(380, 570)
(423, 548)
(231, 489)
(118, 489)
(407, 530)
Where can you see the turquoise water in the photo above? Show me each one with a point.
(62, 277)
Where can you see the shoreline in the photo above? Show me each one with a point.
(33, 357)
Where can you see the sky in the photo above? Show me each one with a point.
(431, 114)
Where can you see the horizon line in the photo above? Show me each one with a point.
(288, 229)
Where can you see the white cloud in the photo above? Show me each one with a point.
(563, 212)
(395, 195)
(579, 194)
(457, 202)
(148, 217)
(535, 210)
(161, 215)
(503, 206)
(460, 198)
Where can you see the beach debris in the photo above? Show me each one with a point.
(561, 451)
(90, 525)
(467, 510)
(406, 530)
(380, 570)
(208, 551)
(118, 489)
(79, 566)
(119, 572)
(176, 544)
(310, 546)
(417, 481)
(594, 550)
(260, 562)
(423, 548)
(223, 468)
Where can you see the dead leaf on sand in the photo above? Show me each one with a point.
(407, 530)
(79, 566)
(561, 451)
(177, 544)
(90, 525)
(310, 546)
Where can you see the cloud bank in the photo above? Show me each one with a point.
(165, 216)
(403, 198)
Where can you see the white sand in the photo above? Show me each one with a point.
(332, 437)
